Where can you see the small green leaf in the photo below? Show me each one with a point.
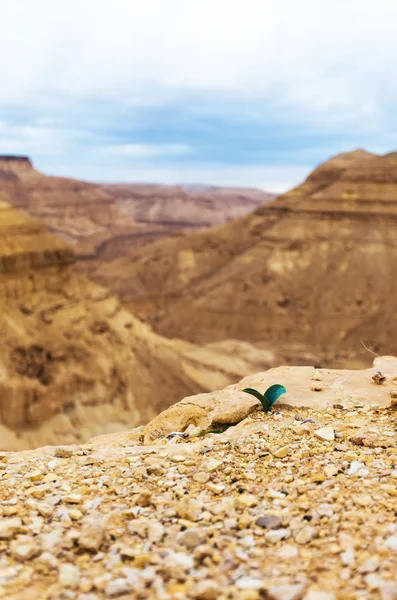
(271, 395)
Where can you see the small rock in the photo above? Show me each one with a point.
(48, 560)
(316, 387)
(325, 433)
(213, 464)
(191, 538)
(363, 500)
(92, 532)
(36, 475)
(269, 522)
(276, 535)
(9, 527)
(73, 498)
(305, 535)
(69, 575)
(24, 547)
(355, 467)
(155, 532)
(370, 565)
(285, 592)
(249, 583)
(347, 557)
(205, 590)
(189, 509)
(63, 452)
(281, 452)
(319, 595)
(388, 591)
(201, 477)
(216, 488)
(246, 500)
(373, 581)
(118, 587)
(393, 393)
(287, 551)
(391, 542)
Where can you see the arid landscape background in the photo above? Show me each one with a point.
(197, 288)
(198, 282)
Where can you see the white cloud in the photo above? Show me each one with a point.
(147, 150)
(333, 55)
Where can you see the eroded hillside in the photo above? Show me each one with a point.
(73, 362)
(313, 270)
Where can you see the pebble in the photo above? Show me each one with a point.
(118, 587)
(276, 535)
(282, 452)
(246, 501)
(63, 452)
(269, 522)
(205, 590)
(319, 595)
(213, 464)
(24, 547)
(201, 477)
(325, 433)
(69, 575)
(191, 538)
(249, 583)
(189, 509)
(285, 592)
(9, 527)
(305, 535)
(92, 532)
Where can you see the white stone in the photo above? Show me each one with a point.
(69, 575)
(276, 535)
(249, 583)
(325, 433)
(9, 527)
(24, 547)
(118, 587)
(92, 532)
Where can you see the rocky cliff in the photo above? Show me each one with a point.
(105, 222)
(313, 270)
(188, 207)
(294, 504)
(73, 362)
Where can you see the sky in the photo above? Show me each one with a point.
(227, 92)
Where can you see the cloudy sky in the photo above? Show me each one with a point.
(242, 92)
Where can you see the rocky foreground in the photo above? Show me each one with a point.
(296, 504)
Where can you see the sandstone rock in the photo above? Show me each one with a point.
(69, 575)
(269, 522)
(325, 433)
(24, 547)
(92, 532)
(9, 527)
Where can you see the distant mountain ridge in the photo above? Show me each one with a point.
(316, 268)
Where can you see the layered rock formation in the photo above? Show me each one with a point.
(312, 271)
(73, 362)
(105, 222)
(185, 207)
(294, 504)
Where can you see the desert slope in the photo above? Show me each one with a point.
(73, 362)
(313, 269)
(295, 504)
(105, 222)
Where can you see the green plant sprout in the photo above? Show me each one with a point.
(271, 395)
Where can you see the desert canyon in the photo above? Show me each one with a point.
(132, 463)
